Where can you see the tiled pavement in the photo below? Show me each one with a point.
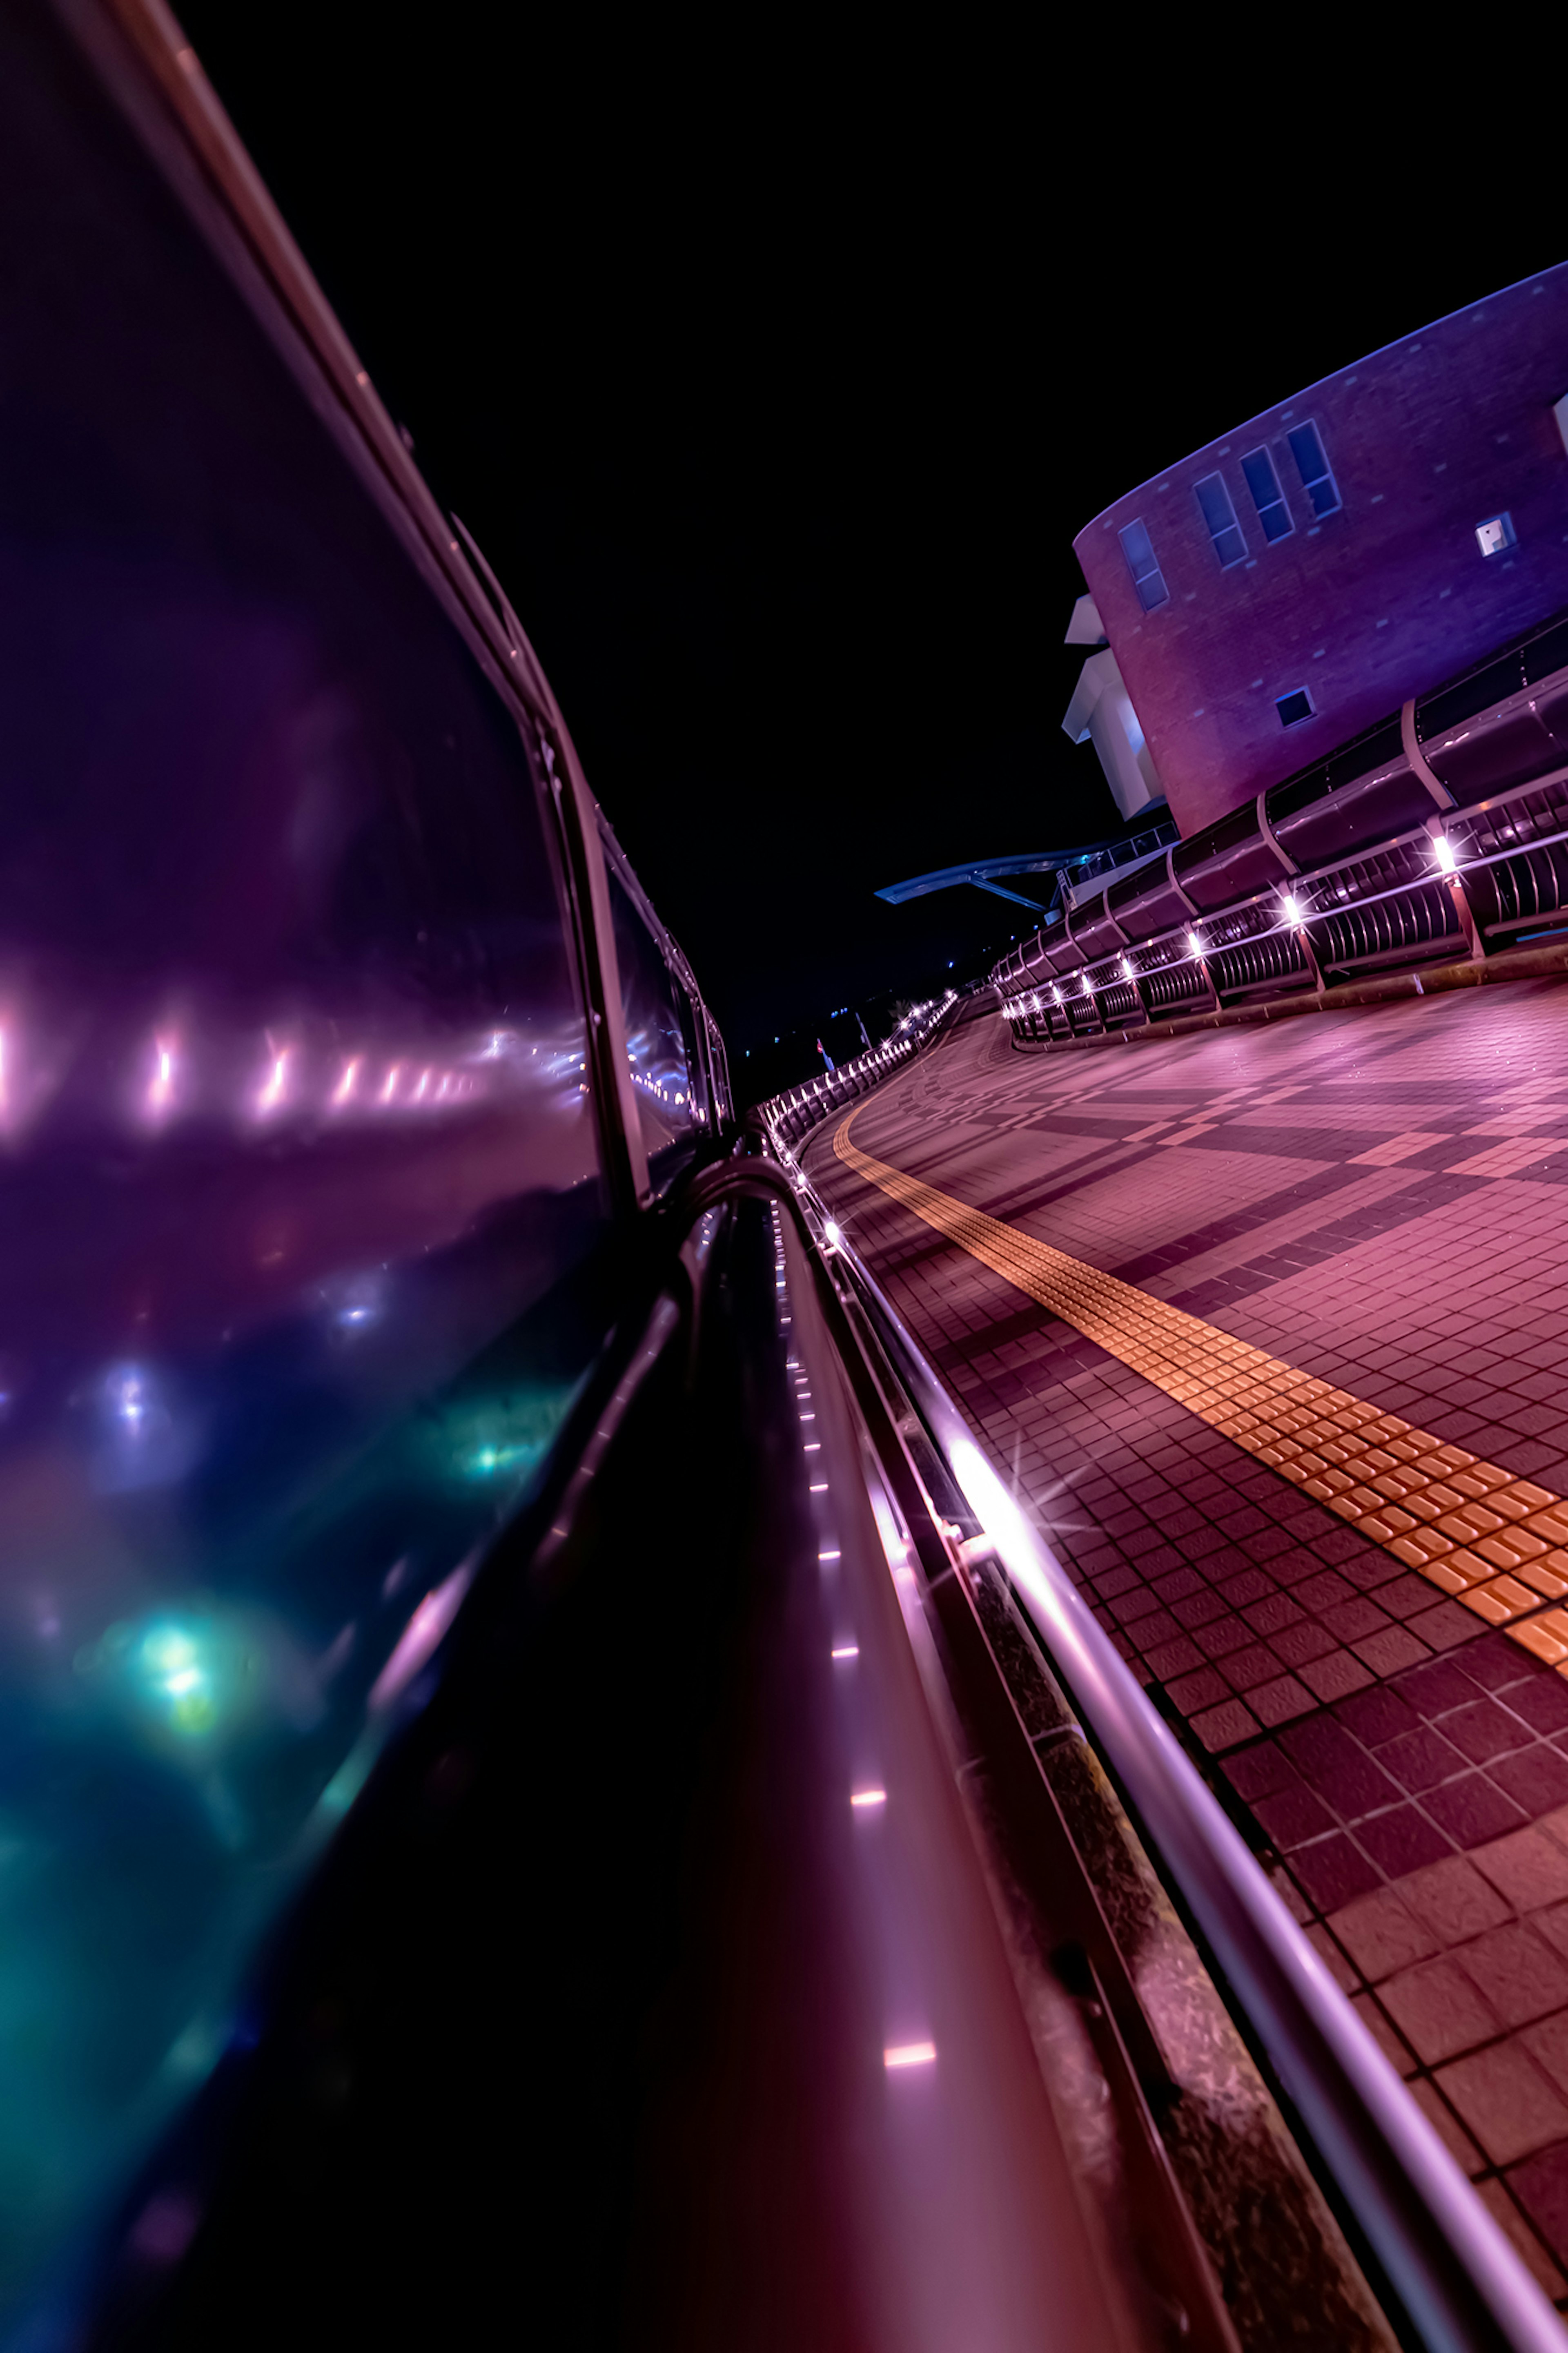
(1376, 1198)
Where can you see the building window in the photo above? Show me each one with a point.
(1267, 495)
(1313, 469)
(1147, 576)
(1492, 537)
(1219, 516)
(1293, 707)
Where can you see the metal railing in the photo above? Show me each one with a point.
(1503, 865)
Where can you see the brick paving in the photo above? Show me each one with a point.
(1373, 1197)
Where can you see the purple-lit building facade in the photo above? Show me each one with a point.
(1305, 575)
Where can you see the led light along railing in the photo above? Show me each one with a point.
(1294, 917)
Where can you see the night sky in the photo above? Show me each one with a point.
(776, 380)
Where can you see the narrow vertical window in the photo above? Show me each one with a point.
(1313, 469)
(1147, 576)
(1219, 516)
(1267, 495)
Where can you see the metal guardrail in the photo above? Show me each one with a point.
(803, 1106)
(1464, 886)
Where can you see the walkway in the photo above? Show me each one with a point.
(1269, 1325)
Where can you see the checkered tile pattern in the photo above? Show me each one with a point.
(1370, 1196)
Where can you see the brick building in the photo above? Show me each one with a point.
(1302, 576)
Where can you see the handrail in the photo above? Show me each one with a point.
(1459, 2279)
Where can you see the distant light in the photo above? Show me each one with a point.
(847, 1651)
(833, 1234)
(1444, 849)
(908, 2054)
(869, 1798)
(345, 1085)
(1195, 944)
(1127, 966)
(1292, 907)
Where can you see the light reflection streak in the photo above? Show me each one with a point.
(174, 1073)
(271, 1095)
(161, 1090)
(421, 1636)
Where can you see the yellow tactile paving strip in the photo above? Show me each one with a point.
(1497, 1543)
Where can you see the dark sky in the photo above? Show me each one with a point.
(776, 380)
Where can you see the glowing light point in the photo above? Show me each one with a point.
(344, 1088)
(423, 1087)
(1444, 850)
(271, 1095)
(1195, 944)
(390, 1089)
(869, 1798)
(1292, 907)
(833, 1232)
(908, 2054)
(847, 1651)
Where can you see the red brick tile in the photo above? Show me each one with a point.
(1292, 1816)
(1420, 1760)
(1432, 1691)
(1198, 1610)
(1496, 1663)
(1382, 1933)
(1536, 1776)
(1402, 1839)
(1542, 1702)
(1260, 1771)
(1517, 1971)
(1333, 1870)
(1547, 2041)
(1484, 1730)
(1376, 1716)
(1338, 1767)
(1277, 1702)
(1452, 1901)
(1336, 1676)
(1221, 1635)
(1439, 2009)
(1445, 1628)
(1388, 1653)
(1527, 1868)
(1472, 1809)
(1205, 1689)
(1224, 1726)
(1540, 2184)
(1298, 1644)
(1506, 2100)
(1243, 1669)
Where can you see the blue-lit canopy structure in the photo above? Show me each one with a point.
(1060, 865)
